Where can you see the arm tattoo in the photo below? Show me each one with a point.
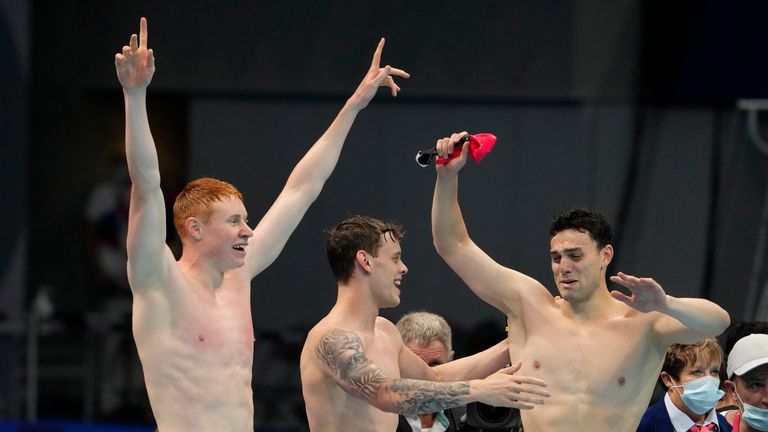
(421, 397)
(342, 352)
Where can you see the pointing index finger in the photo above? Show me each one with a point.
(143, 34)
(376, 61)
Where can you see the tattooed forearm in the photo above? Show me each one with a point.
(421, 397)
(342, 352)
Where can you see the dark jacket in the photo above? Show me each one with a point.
(656, 419)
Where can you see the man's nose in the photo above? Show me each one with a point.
(246, 231)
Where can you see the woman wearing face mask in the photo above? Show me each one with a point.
(691, 375)
(748, 383)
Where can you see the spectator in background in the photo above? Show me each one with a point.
(106, 217)
(738, 331)
(748, 383)
(428, 336)
(691, 375)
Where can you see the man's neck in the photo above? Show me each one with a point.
(599, 306)
(355, 305)
(195, 268)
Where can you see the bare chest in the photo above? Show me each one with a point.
(222, 325)
(608, 362)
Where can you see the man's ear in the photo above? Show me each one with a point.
(194, 228)
(363, 260)
(607, 255)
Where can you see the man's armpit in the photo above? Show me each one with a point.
(341, 352)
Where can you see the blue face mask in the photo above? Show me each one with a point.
(701, 394)
(754, 416)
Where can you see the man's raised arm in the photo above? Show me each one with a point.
(135, 67)
(493, 283)
(308, 177)
(341, 354)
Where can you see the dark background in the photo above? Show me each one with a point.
(628, 106)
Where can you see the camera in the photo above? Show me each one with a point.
(487, 418)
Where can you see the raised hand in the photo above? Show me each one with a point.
(377, 77)
(506, 389)
(136, 64)
(646, 294)
(445, 147)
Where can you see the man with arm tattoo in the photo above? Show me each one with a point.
(356, 373)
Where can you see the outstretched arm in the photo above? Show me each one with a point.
(308, 177)
(476, 366)
(685, 320)
(497, 285)
(341, 353)
(135, 67)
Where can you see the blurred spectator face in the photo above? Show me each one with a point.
(433, 354)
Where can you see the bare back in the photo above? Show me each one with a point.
(601, 373)
(329, 407)
(196, 350)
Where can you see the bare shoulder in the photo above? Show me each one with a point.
(327, 337)
(389, 329)
(332, 344)
(385, 325)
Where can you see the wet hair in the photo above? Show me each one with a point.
(353, 234)
(679, 356)
(425, 328)
(197, 200)
(586, 220)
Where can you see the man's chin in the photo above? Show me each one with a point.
(234, 265)
(394, 303)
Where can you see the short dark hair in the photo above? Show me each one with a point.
(353, 234)
(585, 220)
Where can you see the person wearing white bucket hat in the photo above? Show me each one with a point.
(748, 383)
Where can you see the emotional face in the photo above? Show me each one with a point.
(578, 264)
